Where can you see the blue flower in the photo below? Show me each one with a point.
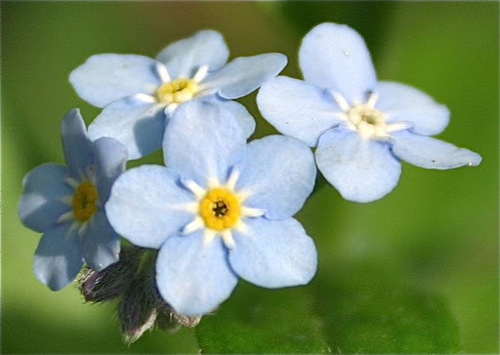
(139, 93)
(219, 210)
(362, 128)
(65, 203)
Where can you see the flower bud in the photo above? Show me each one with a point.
(136, 310)
(169, 320)
(98, 286)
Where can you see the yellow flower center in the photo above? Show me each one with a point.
(368, 121)
(220, 209)
(177, 91)
(85, 201)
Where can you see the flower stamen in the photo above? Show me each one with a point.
(368, 121)
(85, 201)
(177, 91)
(220, 209)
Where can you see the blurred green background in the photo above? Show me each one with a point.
(416, 272)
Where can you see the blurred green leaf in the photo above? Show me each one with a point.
(367, 310)
(365, 16)
(263, 321)
(360, 310)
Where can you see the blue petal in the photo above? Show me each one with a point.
(184, 57)
(78, 150)
(105, 78)
(274, 253)
(335, 57)
(193, 274)
(110, 161)
(361, 169)
(203, 142)
(297, 109)
(403, 103)
(58, 258)
(100, 243)
(278, 175)
(243, 75)
(239, 112)
(430, 153)
(146, 205)
(137, 124)
(41, 205)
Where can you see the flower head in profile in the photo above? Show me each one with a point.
(66, 204)
(362, 127)
(219, 210)
(139, 93)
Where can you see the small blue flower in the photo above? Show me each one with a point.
(219, 210)
(65, 203)
(139, 93)
(361, 127)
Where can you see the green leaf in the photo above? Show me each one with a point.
(367, 310)
(359, 308)
(257, 320)
(304, 15)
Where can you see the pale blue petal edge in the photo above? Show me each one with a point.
(274, 254)
(78, 150)
(239, 112)
(100, 243)
(202, 142)
(147, 205)
(105, 78)
(193, 274)
(243, 75)
(137, 124)
(361, 169)
(184, 57)
(335, 57)
(297, 109)
(431, 153)
(110, 161)
(403, 103)
(58, 258)
(41, 203)
(278, 175)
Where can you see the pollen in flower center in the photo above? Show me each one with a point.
(85, 201)
(220, 209)
(177, 91)
(368, 121)
(364, 113)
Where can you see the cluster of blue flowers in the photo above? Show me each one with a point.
(222, 208)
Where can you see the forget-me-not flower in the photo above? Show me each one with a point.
(139, 93)
(219, 210)
(361, 127)
(66, 204)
